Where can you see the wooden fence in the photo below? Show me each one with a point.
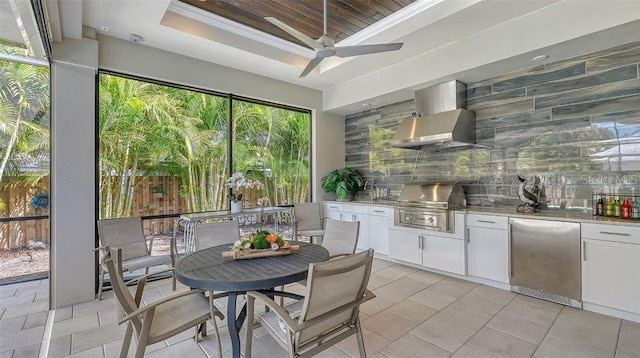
(158, 195)
(17, 202)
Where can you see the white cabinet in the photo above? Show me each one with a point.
(488, 247)
(443, 253)
(432, 249)
(611, 266)
(332, 211)
(379, 218)
(405, 246)
(363, 233)
(374, 223)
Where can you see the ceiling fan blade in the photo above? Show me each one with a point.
(295, 33)
(311, 65)
(347, 51)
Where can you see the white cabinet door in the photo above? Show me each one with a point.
(405, 246)
(611, 274)
(379, 229)
(488, 253)
(442, 253)
(363, 234)
(332, 211)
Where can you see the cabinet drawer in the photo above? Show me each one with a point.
(380, 211)
(616, 233)
(332, 207)
(356, 209)
(488, 221)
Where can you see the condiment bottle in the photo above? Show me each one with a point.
(635, 212)
(608, 209)
(616, 208)
(625, 210)
(600, 207)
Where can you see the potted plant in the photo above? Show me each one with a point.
(236, 182)
(345, 182)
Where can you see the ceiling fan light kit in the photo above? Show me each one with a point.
(325, 45)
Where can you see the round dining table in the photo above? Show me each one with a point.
(208, 270)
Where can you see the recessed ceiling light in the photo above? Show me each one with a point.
(365, 105)
(541, 57)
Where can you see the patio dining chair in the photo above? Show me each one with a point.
(216, 233)
(127, 234)
(159, 320)
(308, 220)
(340, 237)
(328, 314)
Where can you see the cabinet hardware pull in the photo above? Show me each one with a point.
(486, 221)
(584, 251)
(378, 211)
(614, 233)
(333, 207)
(510, 254)
(468, 236)
(419, 241)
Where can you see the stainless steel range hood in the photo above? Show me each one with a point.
(440, 120)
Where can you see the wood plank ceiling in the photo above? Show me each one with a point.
(345, 17)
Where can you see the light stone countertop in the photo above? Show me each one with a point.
(559, 215)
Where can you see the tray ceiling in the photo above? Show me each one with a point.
(345, 17)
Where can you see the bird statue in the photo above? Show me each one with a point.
(529, 194)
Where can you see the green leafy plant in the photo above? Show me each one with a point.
(345, 182)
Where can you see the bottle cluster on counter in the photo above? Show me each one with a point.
(620, 205)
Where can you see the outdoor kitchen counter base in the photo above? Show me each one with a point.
(559, 215)
(554, 214)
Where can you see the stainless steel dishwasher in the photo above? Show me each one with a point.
(545, 260)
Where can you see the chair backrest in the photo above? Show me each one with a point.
(125, 302)
(216, 233)
(332, 284)
(126, 234)
(308, 216)
(340, 237)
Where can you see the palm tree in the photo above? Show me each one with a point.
(24, 118)
(148, 129)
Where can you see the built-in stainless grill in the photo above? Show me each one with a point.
(428, 206)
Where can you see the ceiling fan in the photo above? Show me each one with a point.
(325, 46)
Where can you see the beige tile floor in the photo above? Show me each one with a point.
(416, 314)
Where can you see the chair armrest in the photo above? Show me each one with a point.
(143, 279)
(296, 327)
(279, 310)
(149, 241)
(155, 304)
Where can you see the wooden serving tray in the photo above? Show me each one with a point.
(250, 254)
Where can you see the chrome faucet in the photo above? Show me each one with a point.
(372, 191)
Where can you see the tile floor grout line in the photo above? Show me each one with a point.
(615, 351)
(549, 330)
(579, 346)
(46, 337)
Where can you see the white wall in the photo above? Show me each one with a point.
(73, 146)
(328, 151)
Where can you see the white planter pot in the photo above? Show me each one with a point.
(236, 207)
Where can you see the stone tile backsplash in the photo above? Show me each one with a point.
(575, 123)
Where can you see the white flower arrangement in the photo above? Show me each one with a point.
(238, 181)
(264, 201)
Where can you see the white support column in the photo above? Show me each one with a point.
(73, 181)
